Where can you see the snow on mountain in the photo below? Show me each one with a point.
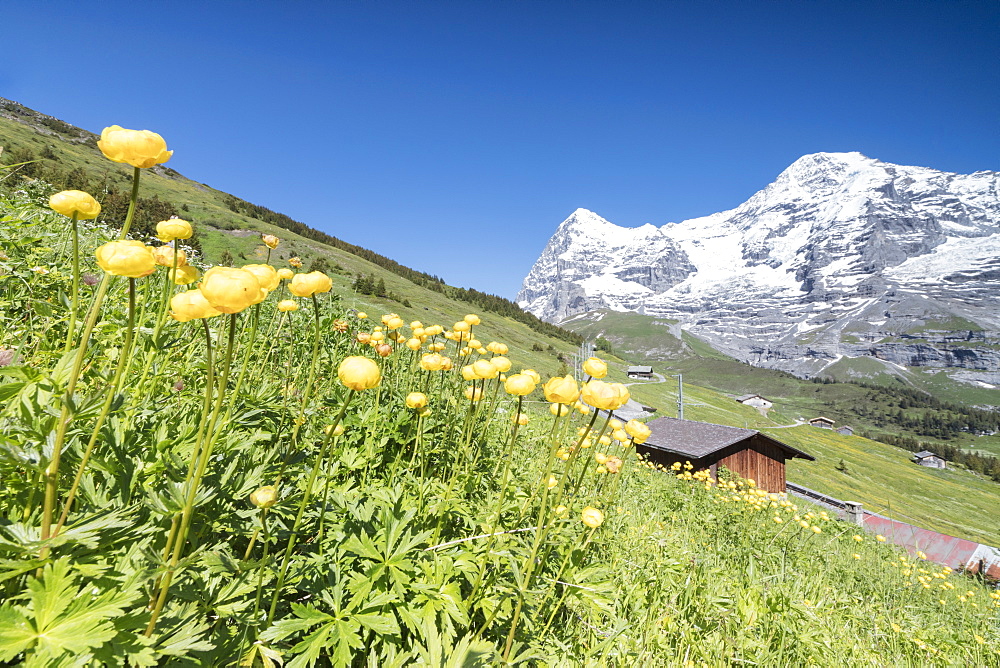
(837, 242)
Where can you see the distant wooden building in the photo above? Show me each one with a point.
(746, 452)
(639, 372)
(846, 430)
(821, 422)
(755, 400)
(930, 460)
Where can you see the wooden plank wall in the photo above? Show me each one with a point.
(760, 460)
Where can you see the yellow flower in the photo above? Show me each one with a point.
(595, 367)
(139, 148)
(521, 419)
(561, 390)
(416, 400)
(183, 275)
(497, 348)
(383, 349)
(337, 431)
(472, 319)
(266, 275)
(551, 482)
(264, 497)
(359, 373)
(558, 410)
(620, 435)
(126, 258)
(413, 344)
(231, 290)
(432, 362)
(270, 240)
(614, 464)
(533, 374)
(164, 256)
(286, 305)
(638, 431)
(560, 510)
(473, 393)
(816, 529)
(592, 517)
(921, 555)
(858, 538)
(175, 228)
(191, 305)
(483, 369)
(501, 363)
(360, 315)
(880, 538)
(519, 385)
(69, 202)
(295, 262)
(285, 273)
(604, 396)
(306, 285)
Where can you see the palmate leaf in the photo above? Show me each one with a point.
(59, 617)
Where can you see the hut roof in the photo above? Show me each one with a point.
(744, 397)
(640, 369)
(700, 439)
(923, 454)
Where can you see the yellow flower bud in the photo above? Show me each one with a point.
(521, 419)
(337, 431)
(231, 290)
(183, 275)
(306, 285)
(266, 275)
(139, 148)
(286, 305)
(416, 400)
(600, 457)
(164, 256)
(472, 319)
(359, 373)
(461, 326)
(473, 393)
(191, 305)
(69, 202)
(295, 262)
(519, 385)
(592, 517)
(595, 368)
(534, 374)
(413, 344)
(175, 228)
(383, 349)
(431, 362)
(560, 510)
(264, 497)
(126, 258)
(558, 410)
(270, 240)
(285, 273)
(561, 390)
(614, 464)
(360, 315)
(620, 435)
(551, 482)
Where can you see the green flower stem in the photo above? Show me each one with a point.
(307, 392)
(75, 297)
(51, 475)
(540, 534)
(123, 359)
(306, 497)
(194, 482)
(555, 583)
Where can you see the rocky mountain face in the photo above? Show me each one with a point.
(841, 257)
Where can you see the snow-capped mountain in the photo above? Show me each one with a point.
(842, 255)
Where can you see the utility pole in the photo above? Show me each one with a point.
(680, 394)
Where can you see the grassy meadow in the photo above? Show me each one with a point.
(262, 468)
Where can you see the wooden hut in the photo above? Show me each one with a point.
(639, 372)
(821, 422)
(929, 459)
(746, 452)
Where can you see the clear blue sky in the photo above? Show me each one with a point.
(455, 136)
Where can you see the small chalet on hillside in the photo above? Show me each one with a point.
(821, 422)
(755, 400)
(639, 372)
(929, 459)
(746, 452)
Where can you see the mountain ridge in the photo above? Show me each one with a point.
(838, 241)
